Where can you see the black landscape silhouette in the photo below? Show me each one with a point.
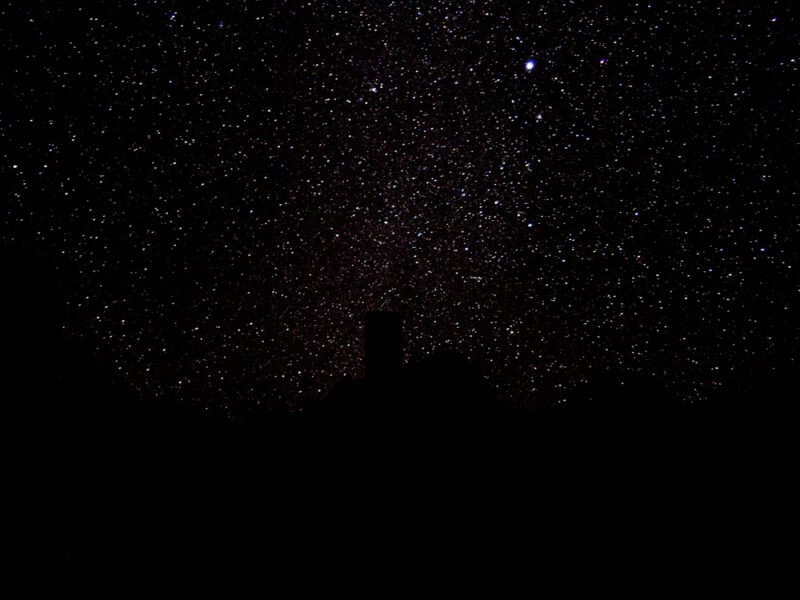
(97, 475)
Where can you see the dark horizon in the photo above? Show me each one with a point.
(102, 479)
(34, 334)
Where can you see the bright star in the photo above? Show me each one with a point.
(529, 65)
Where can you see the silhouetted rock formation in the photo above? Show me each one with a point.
(383, 344)
(437, 415)
(409, 450)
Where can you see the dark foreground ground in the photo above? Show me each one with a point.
(416, 472)
(421, 473)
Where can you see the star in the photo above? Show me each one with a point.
(296, 182)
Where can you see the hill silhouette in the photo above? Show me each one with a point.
(410, 453)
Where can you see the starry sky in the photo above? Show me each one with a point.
(546, 187)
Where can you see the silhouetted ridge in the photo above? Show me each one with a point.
(97, 474)
(441, 387)
(383, 344)
(620, 395)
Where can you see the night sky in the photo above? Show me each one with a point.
(549, 188)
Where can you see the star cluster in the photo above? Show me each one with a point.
(549, 188)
